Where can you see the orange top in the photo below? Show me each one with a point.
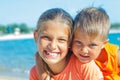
(33, 74)
(75, 71)
(108, 62)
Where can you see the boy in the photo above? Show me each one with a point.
(90, 41)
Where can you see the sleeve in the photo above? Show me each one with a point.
(33, 74)
(91, 71)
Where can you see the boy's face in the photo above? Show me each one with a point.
(85, 47)
(52, 42)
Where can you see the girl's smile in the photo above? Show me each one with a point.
(48, 54)
(53, 41)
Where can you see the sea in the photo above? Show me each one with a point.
(17, 56)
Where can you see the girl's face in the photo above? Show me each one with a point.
(85, 47)
(52, 41)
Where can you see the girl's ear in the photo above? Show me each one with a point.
(35, 35)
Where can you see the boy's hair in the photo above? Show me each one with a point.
(63, 17)
(93, 21)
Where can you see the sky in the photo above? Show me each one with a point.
(29, 11)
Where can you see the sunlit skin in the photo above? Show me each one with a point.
(53, 44)
(85, 47)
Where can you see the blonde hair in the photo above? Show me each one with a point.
(93, 21)
(59, 14)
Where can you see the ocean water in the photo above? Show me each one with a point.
(114, 38)
(17, 56)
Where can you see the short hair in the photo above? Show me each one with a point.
(93, 21)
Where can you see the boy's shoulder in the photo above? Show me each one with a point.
(110, 45)
(111, 48)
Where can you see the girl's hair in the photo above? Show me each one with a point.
(62, 16)
(59, 14)
(93, 21)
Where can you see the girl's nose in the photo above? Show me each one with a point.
(52, 45)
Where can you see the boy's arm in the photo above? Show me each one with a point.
(118, 55)
(92, 72)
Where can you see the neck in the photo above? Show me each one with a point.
(55, 69)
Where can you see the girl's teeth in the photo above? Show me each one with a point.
(53, 54)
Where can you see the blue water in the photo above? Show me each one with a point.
(114, 38)
(17, 56)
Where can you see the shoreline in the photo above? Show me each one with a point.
(29, 36)
(114, 31)
(16, 37)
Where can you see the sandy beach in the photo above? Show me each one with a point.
(11, 78)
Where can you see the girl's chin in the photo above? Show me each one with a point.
(51, 61)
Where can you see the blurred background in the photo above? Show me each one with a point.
(18, 19)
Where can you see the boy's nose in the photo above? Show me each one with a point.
(84, 50)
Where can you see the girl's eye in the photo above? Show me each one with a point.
(62, 40)
(45, 37)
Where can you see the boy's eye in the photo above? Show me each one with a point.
(78, 42)
(92, 45)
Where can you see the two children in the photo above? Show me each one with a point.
(90, 41)
(53, 37)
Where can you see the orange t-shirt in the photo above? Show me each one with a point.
(110, 69)
(74, 71)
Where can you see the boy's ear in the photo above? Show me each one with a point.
(35, 35)
(106, 41)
